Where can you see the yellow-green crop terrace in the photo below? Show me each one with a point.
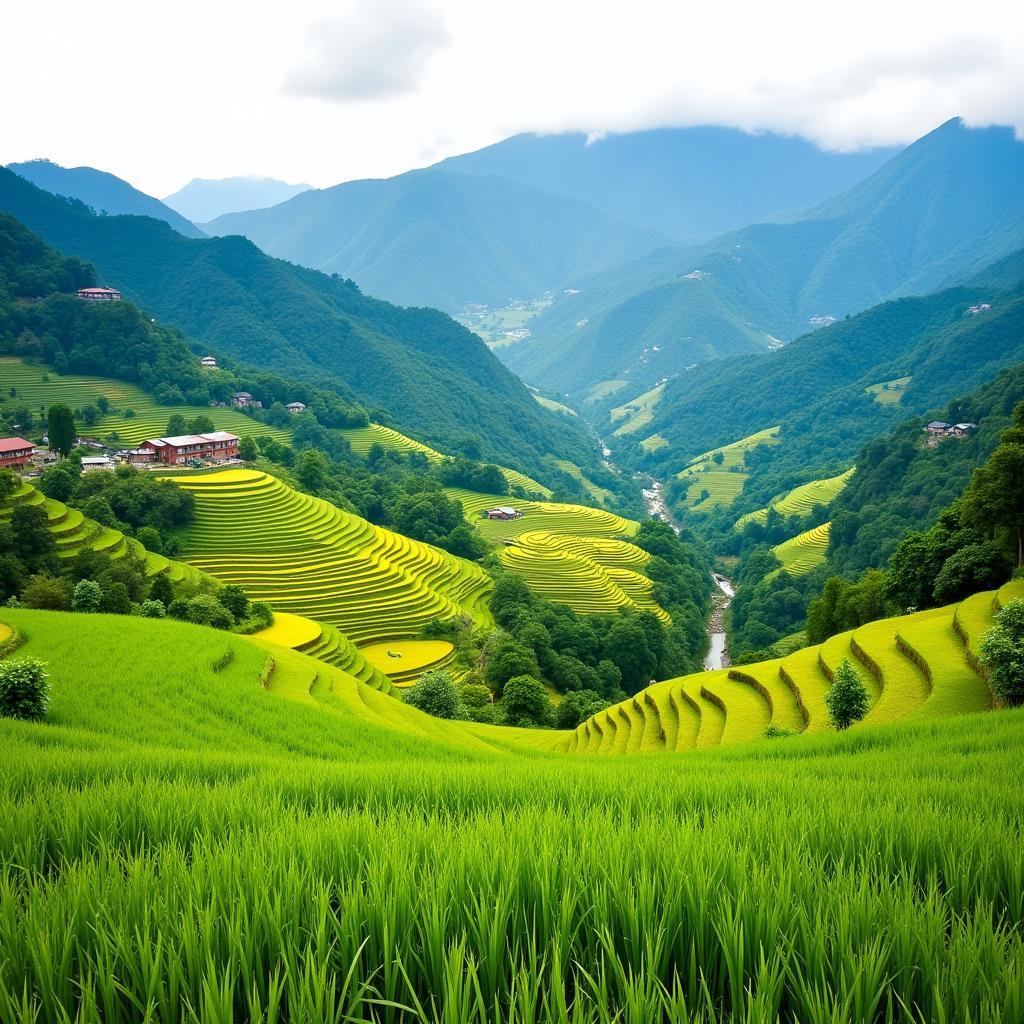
(800, 500)
(800, 554)
(362, 439)
(72, 532)
(723, 480)
(889, 392)
(638, 413)
(917, 667)
(305, 556)
(38, 387)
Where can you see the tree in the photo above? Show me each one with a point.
(24, 689)
(161, 590)
(972, 568)
(60, 428)
(995, 496)
(1002, 653)
(478, 702)
(508, 660)
(205, 610)
(577, 708)
(149, 537)
(627, 646)
(248, 450)
(31, 539)
(526, 702)
(59, 482)
(152, 609)
(311, 470)
(176, 425)
(233, 598)
(86, 596)
(116, 599)
(847, 697)
(435, 694)
(47, 592)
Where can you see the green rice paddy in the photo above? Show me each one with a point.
(889, 392)
(221, 829)
(724, 480)
(800, 554)
(800, 500)
(638, 413)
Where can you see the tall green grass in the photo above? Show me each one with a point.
(274, 862)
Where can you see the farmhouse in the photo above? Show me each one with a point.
(503, 513)
(962, 429)
(937, 428)
(242, 400)
(93, 462)
(15, 452)
(99, 294)
(208, 362)
(295, 407)
(174, 451)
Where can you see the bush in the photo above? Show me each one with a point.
(116, 599)
(205, 610)
(435, 694)
(526, 702)
(1002, 653)
(24, 689)
(847, 697)
(87, 596)
(47, 592)
(152, 609)
(232, 597)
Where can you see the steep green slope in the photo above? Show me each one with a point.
(434, 377)
(688, 182)
(942, 208)
(105, 193)
(430, 238)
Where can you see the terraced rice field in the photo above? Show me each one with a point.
(550, 403)
(654, 443)
(305, 556)
(801, 500)
(889, 392)
(404, 661)
(73, 532)
(920, 666)
(638, 413)
(39, 387)
(723, 481)
(554, 517)
(591, 576)
(800, 554)
(362, 439)
(600, 494)
(604, 389)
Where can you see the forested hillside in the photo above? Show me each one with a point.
(420, 369)
(431, 238)
(105, 193)
(686, 182)
(941, 209)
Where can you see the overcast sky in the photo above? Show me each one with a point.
(324, 92)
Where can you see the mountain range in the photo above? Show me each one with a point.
(415, 367)
(104, 192)
(202, 199)
(950, 202)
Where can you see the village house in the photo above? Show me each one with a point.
(295, 407)
(15, 452)
(93, 462)
(962, 429)
(208, 362)
(503, 513)
(937, 428)
(242, 400)
(99, 294)
(175, 451)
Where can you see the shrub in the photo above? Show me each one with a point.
(116, 599)
(152, 609)
(847, 697)
(48, 592)
(1002, 653)
(24, 689)
(775, 732)
(87, 596)
(526, 702)
(578, 707)
(436, 694)
(232, 597)
(208, 611)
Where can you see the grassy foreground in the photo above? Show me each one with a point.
(192, 838)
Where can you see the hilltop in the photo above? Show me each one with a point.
(103, 192)
(435, 238)
(939, 210)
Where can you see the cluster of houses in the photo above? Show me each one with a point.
(244, 399)
(938, 431)
(99, 294)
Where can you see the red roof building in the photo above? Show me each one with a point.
(14, 452)
(99, 294)
(175, 451)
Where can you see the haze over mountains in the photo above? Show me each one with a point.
(950, 202)
(104, 192)
(202, 199)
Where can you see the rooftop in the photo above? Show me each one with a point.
(13, 444)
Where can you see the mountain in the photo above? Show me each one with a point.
(689, 183)
(945, 206)
(442, 239)
(104, 192)
(428, 374)
(202, 199)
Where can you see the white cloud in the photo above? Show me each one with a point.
(377, 49)
(329, 90)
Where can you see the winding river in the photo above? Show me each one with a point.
(718, 652)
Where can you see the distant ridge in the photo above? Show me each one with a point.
(104, 192)
(203, 199)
